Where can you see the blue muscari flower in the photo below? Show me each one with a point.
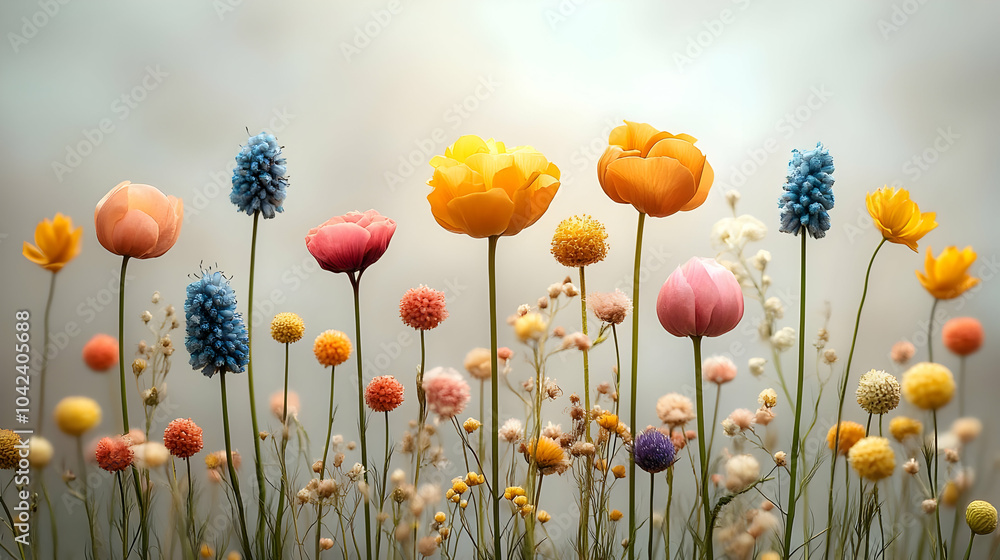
(808, 193)
(216, 335)
(259, 180)
(653, 451)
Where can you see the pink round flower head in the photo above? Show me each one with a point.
(384, 393)
(113, 454)
(351, 242)
(446, 391)
(182, 438)
(719, 370)
(611, 307)
(423, 308)
(743, 418)
(278, 402)
(963, 335)
(100, 353)
(135, 436)
(675, 410)
(504, 353)
(701, 298)
(902, 351)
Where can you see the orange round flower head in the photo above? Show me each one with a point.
(384, 393)
(332, 348)
(100, 353)
(482, 188)
(656, 172)
(579, 241)
(850, 433)
(183, 438)
(897, 217)
(113, 454)
(423, 308)
(550, 457)
(963, 335)
(56, 243)
(947, 277)
(138, 221)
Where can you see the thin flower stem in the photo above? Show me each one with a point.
(421, 418)
(715, 416)
(276, 537)
(961, 387)
(702, 452)
(232, 471)
(495, 414)
(121, 491)
(381, 497)
(190, 502)
(793, 481)
(258, 463)
(968, 549)
(930, 332)
(843, 388)
(634, 379)
(329, 427)
(52, 518)
(652, 483)
(362, 419)
(934, 489)
(584, 529)
(86, 495)
(45, 354)
(480, 507)
(618, 367)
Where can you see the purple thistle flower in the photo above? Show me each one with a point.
(653, 451)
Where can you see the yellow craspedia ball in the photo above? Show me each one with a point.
(77, 415)
(332, 348)
(579, 241)
(287, 327)
(928, 385)
(615, 515)
(872, 458)
(850, 433)
(39, 452)
(8, 449)
(530, 326)
(902, 427)
(981, 517)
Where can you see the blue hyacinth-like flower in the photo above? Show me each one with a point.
(653, 451)
(259, 180)
(808, 193)
(216, 335)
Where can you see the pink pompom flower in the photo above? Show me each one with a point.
(446, 391)
(114, 454)
(700, 298)
(351, 242)
(384, 393)
(423, 308)
(100, 353)
(718, 370)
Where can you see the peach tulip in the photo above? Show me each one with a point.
(352, 242)
(701, 298)
(138, 221)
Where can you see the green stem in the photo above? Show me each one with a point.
(618, 367)
(584, 529)
(421, 418)
(258, 463)
(121, 490)
(190, 504)
(840, 409)
(10, 521)
(481, 506)
(86, 495)
(329, 428)
(968, 549)
(45, 353)
(244, 536)
(702, 452)
(652, 483)
(494, 397)
(666, 513)
(937, 460)
(793, 481)
(52, 518)
(277, 536)
(632, 387)
(930, 332)
(381, 496)
(362, 420)
(961, 387)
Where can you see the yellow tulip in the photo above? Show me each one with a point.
(897, 217)
(947, 277)
(482, 188)
(56, 243)
(656, 172)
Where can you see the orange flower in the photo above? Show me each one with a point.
(56, 243)
(656, 172)
(482, 188)
(897, 217)
(138, 221)
(947, 277)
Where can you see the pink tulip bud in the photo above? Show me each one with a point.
(701, 298)
(351, 242)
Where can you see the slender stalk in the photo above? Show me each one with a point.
(702, 452)
(244, 536)
(45, 353)
(276, 537)
(190, 500)
(481, 506)
(362, 419)
(10, 521)
(86, 495)
(258, 463)
(421, 418)
(666, 513)
(961, 387)
(793, 481)
(381, 497)
(618, 367)
(495, 395)
(968, 549)
(121, 491)
(584, 529)
(840, 409)
(632, 387)
(652, 483)
(937, 510)
(322, 470)
(52, 518)
(930, 332)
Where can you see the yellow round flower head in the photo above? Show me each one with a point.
(850, 433)
(902, 427)
(579, 241)
(332, 348)
(76, 415)
(981, 517)
(56, 243)
(39, 452)
(947, 276)
(287, 327)
(530, 326)
(872, 458)
(8, 449)
(878, 392)
(615, 515)
(928, 385)
(897, 217)
(549, 457)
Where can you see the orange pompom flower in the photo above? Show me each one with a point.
(100, 353)
(114, 454)
(183, 438)
(963, 335)
(384, 393)
(332, 348)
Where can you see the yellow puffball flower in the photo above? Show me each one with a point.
(530, 326)
(56, 243)
(549, 456)
(39, 452)
(440, 517)
(543, 516)
(902, 427)
(76, 415)
(615, 515)
(981, 517)
(332, 348)
(899, 218)
(8, 449)
(471, 425)
(460, 487)
(850, 434)
(618, 471)
(947, 277)
(872, 458)
(482, 188)
(520, 501)
(608, 421)
(580, 241)
(287, 328)
(928, 385)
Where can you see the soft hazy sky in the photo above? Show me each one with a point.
(361, 94)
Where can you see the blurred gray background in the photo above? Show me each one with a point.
(362, 94)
